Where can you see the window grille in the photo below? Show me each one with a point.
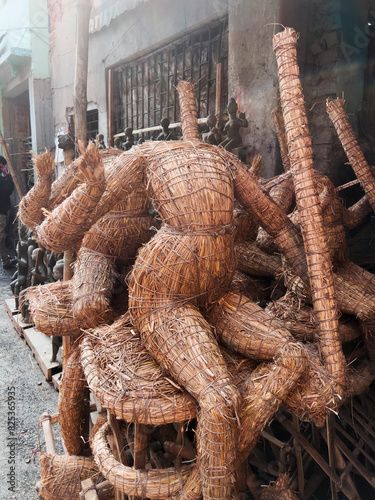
(144, 89)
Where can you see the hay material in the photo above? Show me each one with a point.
(256, 289)
(154, 483)
(30, 208)
(115, 238)
(360, 379)
(127, 381)
(188, 111)
(278, 118)
(73, 176)
(283, 195)
(279, 490)
(337, 113)
(61, 475)
(71, 403)
(50, 308)
(298, 318)
(245, 228)
(252, 260)
(65, 226)
(309, 212)
(314, 395)
(246, 328)
(268, 215)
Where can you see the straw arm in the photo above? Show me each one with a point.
(64, 185)
(281, 136)
(354, 215)
(30, 208)
(269, 216)
(308, 204)
(339, 118)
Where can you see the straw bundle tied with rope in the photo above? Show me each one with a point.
(310, 215)
(114, 239)
(127, 381)
(71, 403)
(31, 205)
(61, 475)
(51, 308)
(279, 490)
(337, 113)
(63, 228)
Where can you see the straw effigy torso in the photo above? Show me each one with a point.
(191, 258)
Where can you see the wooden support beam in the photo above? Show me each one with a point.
(45, 421)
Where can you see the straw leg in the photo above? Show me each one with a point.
(71, 403)
(93, 283)
(181, 341)
(355, 290)
(246, 328)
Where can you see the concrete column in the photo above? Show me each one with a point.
(41, 116)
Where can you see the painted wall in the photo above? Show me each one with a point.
(252, 73)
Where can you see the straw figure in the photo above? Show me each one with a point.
(187, 266)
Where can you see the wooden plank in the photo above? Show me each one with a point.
(45, 422)
(88, 490)
(19, 325)
(10, 306)
(41, 348)
(56, 381)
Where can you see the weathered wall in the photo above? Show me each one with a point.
(137, 31)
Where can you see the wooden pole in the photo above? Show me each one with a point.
(10, 165)
(109, 107)
(80, 80)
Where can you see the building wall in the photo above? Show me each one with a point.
(326, 29)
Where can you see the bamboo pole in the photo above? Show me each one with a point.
(10, 165)
(309, 209)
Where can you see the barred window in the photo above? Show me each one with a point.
(144, 90)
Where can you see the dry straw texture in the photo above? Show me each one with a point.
(30, 208)
(51, 308)
(188, 111)
(278, 118)
(61, 475)
(154, 483)
(127, 381)
(71, 403)
(298, 318)
(114, 239)
(279, 490)
(65, 226)
(309, 212)
(252, 260)
(337, 113)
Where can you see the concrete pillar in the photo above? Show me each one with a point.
(41, 116)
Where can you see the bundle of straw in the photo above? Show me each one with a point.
(337, 113)
(245, 228)
(154, 483)
(62, 475)
(278, 118)
(71, 403)
(50, 308)
(65, 226)
(283, 195)
(115, 238)
(252, 260)
(310, 215)
(73, 176)
(298, 318)
(127, 381)
(313, 397)
(30, 208)
(279, 490)
(188, 111)
(254, 288)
